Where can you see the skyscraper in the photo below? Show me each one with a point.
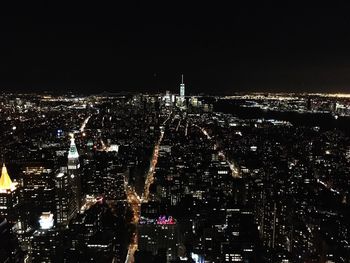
(38, 192)
(182, 88)
(9, 196)
(73, 155)
(65, 204)
(46, 243)
(181, 99)
(9, 246)
(74, 173)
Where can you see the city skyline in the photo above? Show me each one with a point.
(174, 132)
(174, 178)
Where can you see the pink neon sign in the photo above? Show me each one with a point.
(163, 220)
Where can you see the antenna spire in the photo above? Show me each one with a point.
(182, 78)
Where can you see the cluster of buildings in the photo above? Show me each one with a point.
(43, 208)
(166, 178)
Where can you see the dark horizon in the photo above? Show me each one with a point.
(146, 47)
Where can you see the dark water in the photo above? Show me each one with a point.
(324, 120)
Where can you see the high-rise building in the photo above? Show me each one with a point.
(74, 173)
(64, 199)
(241, 234)
(46, 243)
(38, 192)
(167, 99)
(182, 88)
(160, 234)
(181, 101)
(94, 236)
(9, 247)
(9, 197)
(113, 185)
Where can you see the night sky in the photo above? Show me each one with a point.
(93, 47)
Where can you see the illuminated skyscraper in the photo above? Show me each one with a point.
(46, 243)
(73, 156)
(65, 204)
(74, 173)
(38, 193)
(182, 88)
(9, 196)
(181, 99)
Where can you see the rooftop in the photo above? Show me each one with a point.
(6, 183)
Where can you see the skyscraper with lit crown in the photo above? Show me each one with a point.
(9, 196)
(73, 155)
(74, 173)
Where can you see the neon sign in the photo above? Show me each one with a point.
(163, 220)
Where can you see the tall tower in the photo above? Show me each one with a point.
(66, 208)
(182, 88)
(73, 155)
(9, 197)
(74, 173)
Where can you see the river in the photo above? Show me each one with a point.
(324, 120)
